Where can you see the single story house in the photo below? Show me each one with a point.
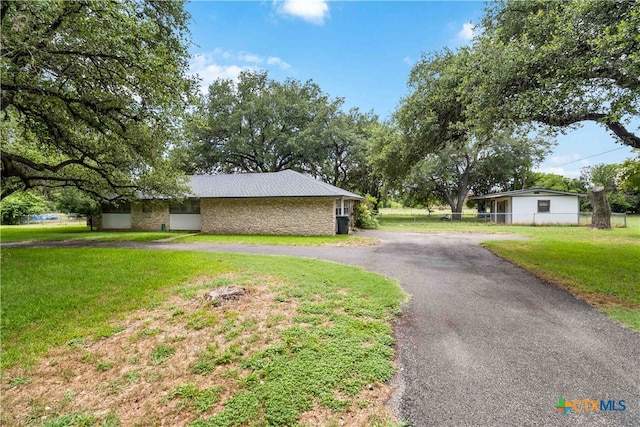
(533, 206)
(285, 202)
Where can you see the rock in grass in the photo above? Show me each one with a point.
(225, 293)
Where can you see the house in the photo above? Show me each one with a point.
(284, 202)
(534, 206)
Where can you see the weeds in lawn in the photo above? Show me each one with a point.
(161, 353)
(192, 397)
(316, 357)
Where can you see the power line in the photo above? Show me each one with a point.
(588, 157)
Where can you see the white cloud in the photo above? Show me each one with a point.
(215, 65)
(274, 60)
(249, 57)
(466, 33)
(205, 67)
(407, 60)
(313, 11)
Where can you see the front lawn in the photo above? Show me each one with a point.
(108, 336)
(252, 239)
(48, 233)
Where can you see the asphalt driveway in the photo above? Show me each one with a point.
(483, 342)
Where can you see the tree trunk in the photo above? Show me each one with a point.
(601, 218)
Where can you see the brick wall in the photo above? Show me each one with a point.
(293, 216)
(150, 221)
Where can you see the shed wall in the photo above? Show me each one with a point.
(563, 210)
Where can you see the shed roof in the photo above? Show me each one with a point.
(286, 183)
(527, 193)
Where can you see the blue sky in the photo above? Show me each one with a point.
(361, 51)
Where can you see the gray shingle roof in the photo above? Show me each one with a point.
(532, 191)
(285, 183)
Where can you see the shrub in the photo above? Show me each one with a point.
(363, 214)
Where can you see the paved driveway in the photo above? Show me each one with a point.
(482, 342)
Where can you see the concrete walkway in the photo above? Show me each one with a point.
(482, 342)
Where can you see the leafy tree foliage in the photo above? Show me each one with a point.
(552, 181)
(503, 163)
(347, 143)
(261, 125)
(91, 94)
(630, 174)
(559, 63)
(22, 203)
(72, 200)
(622, 196)
(442, 149)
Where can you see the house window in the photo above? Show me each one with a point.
(186, 207)
(147, 206)
(119, 208)
(342, 208)
(544, 206)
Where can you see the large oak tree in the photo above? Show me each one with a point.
(445, 149)
(259, 125)
(559, 63)
(92, 92)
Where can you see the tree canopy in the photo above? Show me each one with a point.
(444, 150)
(258, 124)
(558, 64)
(92, 92)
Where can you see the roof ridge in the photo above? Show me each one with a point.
(317, 181)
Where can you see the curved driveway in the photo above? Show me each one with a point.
(483, 342)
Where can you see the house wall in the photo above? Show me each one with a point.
(291, 216)
(150, 221)
(114, 221)
(186, 222)
(563, 210)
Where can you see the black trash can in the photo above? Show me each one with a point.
(343, 224)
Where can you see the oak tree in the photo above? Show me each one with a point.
(92, 92)
(559, 63)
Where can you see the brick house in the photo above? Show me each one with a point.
(284, 202)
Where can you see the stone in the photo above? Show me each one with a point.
(225, 293)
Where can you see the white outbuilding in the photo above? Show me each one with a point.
(532, 206)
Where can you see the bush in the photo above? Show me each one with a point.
(363, 214)
(17, 204)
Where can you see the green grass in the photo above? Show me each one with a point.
(252, 239)
(599, 266)
(48, 233)
(340, 341)
(52, 296)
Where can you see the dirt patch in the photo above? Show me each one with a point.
(356, 242)
(146, 371)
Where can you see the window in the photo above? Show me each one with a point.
(342, 208)
(186, 207)
(119, 208)
(544, 206)
(147, 206)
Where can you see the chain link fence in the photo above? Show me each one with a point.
(423, 215)
(53, 218)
